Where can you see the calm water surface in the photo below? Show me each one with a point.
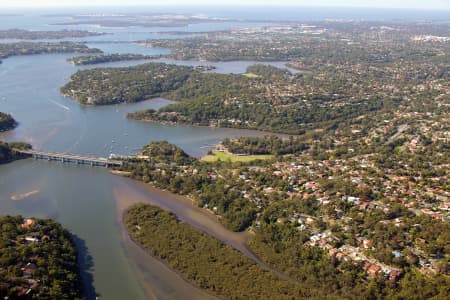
(91, 201)
(88, 200)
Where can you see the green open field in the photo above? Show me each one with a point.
(225, 156)
(251, 75)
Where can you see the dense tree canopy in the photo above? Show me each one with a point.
(38, 260)
(265, 145)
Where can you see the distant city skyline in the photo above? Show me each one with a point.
(423, 4)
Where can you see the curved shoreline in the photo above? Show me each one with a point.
(162, 261)
(170, 281)
(257, 132)
(187, 212)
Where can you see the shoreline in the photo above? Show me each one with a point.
(204, 221)
(249, 130)
(142, 261)
(185, 276)
(164, 262)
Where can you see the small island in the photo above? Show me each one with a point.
(21, 34)
(105, 58)
(38, 259)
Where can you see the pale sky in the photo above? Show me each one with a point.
(426, 4)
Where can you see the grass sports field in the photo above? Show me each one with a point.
(224, 156)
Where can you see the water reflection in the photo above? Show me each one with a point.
(86, 263)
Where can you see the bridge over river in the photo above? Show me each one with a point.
(71, 158)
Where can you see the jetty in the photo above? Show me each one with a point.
(71, 158)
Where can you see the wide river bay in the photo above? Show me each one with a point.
(91, 201)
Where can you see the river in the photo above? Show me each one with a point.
(84, 199)
(90, 201)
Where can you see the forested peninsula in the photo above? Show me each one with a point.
(104, 86)
(106, 58)
(223, 100)
(266, 98)
(38, 260)
(44, 34)
(28, 48)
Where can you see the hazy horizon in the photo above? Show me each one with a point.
(381, 4)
